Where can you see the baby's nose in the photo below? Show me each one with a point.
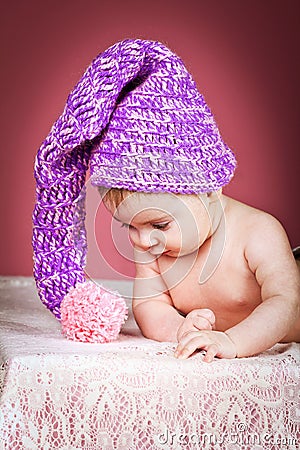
(148, 239)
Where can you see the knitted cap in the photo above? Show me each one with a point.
(137, 119)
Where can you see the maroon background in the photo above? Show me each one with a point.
(244, 56)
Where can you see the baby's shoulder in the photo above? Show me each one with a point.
(262, 235)
(256, 230)
(247, 218)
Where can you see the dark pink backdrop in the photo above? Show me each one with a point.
(244, 56)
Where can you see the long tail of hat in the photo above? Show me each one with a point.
(59, 242)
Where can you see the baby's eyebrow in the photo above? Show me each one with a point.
(164, 218)
(161, 218)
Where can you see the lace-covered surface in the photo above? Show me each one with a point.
(133, 394)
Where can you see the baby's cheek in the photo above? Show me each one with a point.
(191, 241)
(133, 236)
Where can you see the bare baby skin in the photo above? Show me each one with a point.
(211, 273)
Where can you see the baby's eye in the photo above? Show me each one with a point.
(161, 226)
(126, 225)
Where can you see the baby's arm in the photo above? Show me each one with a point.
(154, 311)
(152, 306)
(270, 258)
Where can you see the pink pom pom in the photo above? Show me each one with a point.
(91, 313)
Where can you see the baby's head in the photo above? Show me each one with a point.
(165, 223)
(138, 121)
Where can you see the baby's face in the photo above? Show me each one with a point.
(165, 224)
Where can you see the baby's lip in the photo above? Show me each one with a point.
(153, 253)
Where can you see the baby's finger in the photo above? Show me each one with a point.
(207, 314)
(211, 352)
(203, 312)
(201, 323)
(189, 343)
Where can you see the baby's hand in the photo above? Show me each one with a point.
(198, 319)
(215, 343)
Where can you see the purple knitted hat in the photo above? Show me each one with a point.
(137, 119)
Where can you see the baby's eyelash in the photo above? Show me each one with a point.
(160, 226)
(157, 226)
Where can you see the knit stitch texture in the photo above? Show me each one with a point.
(137, 119)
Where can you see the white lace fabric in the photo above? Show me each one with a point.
(132, 393)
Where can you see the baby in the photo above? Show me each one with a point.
(211, 273)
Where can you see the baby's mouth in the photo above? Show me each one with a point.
(159, 253)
